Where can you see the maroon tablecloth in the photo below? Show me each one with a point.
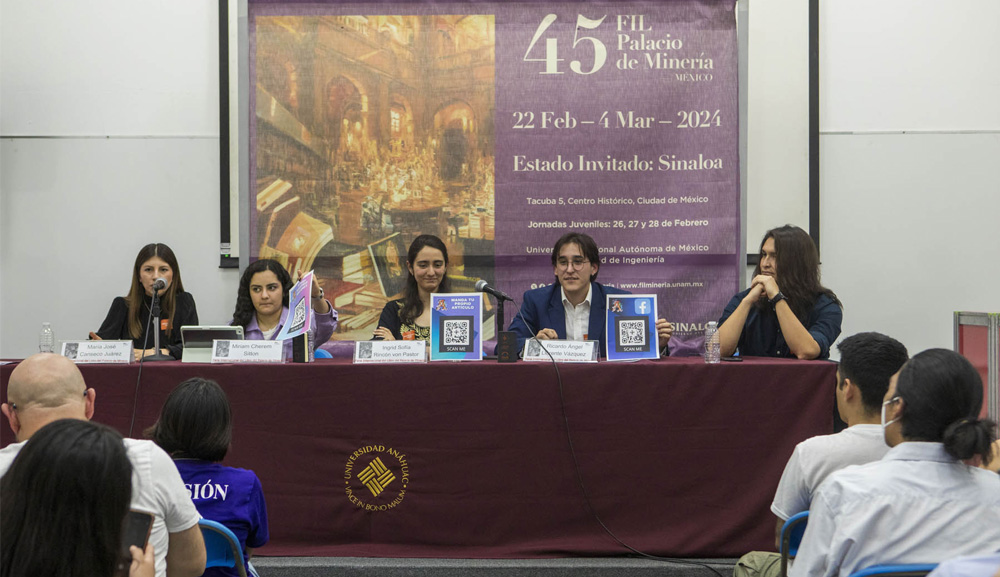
(679, 458)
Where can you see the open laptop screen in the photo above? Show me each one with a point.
(197, 341)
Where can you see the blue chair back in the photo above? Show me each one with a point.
(322, 354)
(221, 546)
(791, 537)
(903, 570)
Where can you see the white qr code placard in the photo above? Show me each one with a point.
(456, 327)
(631, 327)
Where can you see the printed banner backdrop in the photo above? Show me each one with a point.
(498, 127)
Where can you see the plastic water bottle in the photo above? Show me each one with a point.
(712, 345)
(46, 339)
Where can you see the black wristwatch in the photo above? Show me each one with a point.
(777, 298)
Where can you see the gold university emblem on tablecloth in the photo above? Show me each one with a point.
(384, 471)
(376, 477)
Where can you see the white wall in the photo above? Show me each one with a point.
(778, 118)
(910, 143)
(113, 103)
(910, 231)
(72, 229)
(114, 108)
(905, 65)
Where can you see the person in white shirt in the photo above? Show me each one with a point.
(969, 566)
(920, 503)
(44, 388)
(867, 362)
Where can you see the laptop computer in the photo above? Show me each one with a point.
(197, 341)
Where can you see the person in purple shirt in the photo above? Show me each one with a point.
(195, 428)
(262, 305)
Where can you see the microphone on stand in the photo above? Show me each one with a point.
(506, 340)
(484, 287)
(154, 312)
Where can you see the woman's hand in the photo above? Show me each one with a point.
(93, 336)
(143, 562)
(384, 334)
(315, 291)
(316, 295)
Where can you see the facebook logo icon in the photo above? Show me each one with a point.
(642, 306)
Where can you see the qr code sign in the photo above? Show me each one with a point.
(299, 316)
(456, 332)
(632, 333)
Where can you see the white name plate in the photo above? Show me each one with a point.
(390, 352)
(561, 351)
(83, 352)
(224, 351)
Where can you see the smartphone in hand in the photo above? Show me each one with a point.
(136, 532)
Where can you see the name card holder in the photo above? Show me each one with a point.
(373, 352)
(224, 351)
(561, 351)
(86, 352)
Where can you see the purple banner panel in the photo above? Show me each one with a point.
(498, 127)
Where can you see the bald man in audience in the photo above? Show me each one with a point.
(47, 387)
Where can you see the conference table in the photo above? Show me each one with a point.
(488, 460)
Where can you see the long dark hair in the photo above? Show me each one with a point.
(196, 421)
(244, 311)
(412, 305)
(137, 294)
(942, 395)
(63, 502)
(797, 269)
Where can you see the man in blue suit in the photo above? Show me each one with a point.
(573, 308)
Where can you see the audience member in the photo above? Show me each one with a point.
(920, 503)
(969, 566)
(867, 362)
(195, 428)
(47, 387)
(63, 503)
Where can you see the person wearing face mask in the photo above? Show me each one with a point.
(409, 318)
(867, 362)
(921, 503)
(262, 305)
(574, 307)
(786, 312)
(130, 316)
